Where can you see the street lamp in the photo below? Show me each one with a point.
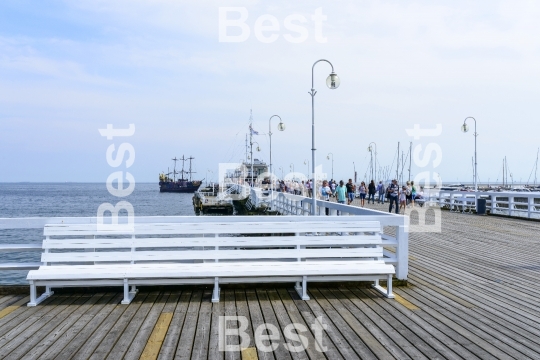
(328, 157)
(465, 128)
(280, 127)
(306, 162)
(333, 82)
(354, 168)
(291, 168)
(370, 149)
(281, 168)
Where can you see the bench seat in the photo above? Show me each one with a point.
(165, 254)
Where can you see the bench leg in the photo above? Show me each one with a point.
(33, 293)
(302, 290)
(386, 292)
(128, 295)
(215, 293)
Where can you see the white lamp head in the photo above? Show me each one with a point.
(464, 127)
(281, 126)
(332, 81)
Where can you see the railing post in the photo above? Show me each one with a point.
(510, 205)
(402, 250)
(530, 205)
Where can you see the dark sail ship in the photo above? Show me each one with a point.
(182, 185)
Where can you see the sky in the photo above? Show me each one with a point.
(69, 68)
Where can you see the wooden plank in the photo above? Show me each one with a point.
(479, 333)
(147, 329)
(419, 332)
(372, 343)
(14, 304)
(187, 336)
(168, 348)
(243, 310)
(24, 341)
(111, 327)
(284, 320)
(332, 338)
(131, 344)
(153, 346)
(384, 322)
(5, 298)
(202, 333)
(381, 343)
(256, 317)
(18, 334)
(69, 340)
(270, 318)
(22, 315)
(330, 315)
(63, 326)
(313, 350)
(230, 310)
(213, 346)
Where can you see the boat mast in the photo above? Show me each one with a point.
(190, 172)
(410, 159)
(397, 165)
(174, 170)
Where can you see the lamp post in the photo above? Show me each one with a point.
(354, 169)
(280, 127)
(373, 165)
(332, 81)
(328, 157)
(465, 128)
(306, 162)
(291, 168)
(281, 168)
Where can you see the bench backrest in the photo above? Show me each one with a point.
(219, 240)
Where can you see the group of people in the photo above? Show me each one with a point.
(398, 197)
(406, 195)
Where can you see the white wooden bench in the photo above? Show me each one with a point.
(228, 250)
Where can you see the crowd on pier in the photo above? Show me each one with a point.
(398, 196)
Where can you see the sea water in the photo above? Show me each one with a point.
(19, 200)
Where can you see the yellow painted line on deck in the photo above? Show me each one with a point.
(409, 305)
(249, 354)
(412, 258)
(11, 308)
(151, 350)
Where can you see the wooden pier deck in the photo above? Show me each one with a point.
(472, 293)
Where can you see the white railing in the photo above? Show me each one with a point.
(241, 191)
(518, 204)
(395, 240)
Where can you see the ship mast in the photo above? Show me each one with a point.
(174, 170)
(190, 172)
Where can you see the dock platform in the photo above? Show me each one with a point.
(472, 294)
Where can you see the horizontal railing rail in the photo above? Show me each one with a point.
(516, 204)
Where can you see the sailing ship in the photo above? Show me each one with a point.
(181, 185)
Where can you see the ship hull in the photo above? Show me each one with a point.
(178, 188)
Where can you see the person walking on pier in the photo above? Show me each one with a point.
(363, 191)
(393, 193)
(403, 199)
(413, 193)
(350, 192)
(371, 192)
(308, 188)
(341, 194)
(325, 194)
(380, 190)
